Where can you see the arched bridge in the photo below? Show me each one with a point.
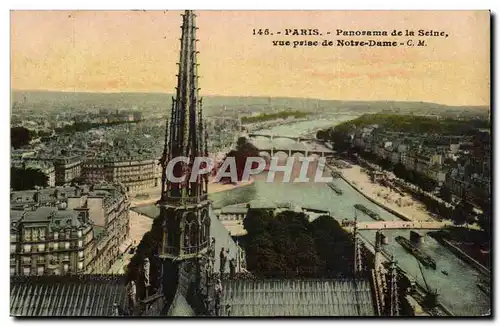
(400, 225)
(272, 137)
(290, 152)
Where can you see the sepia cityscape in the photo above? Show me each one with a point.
(112, 213)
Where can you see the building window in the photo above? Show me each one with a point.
(13, 237)
(80, 243)
(40, 270)
(41, 247)
(80, 265)
(66, 245)
(12, 248)
(12, 271)
(56, 245)
(27, 235)
(80, 254)
(34, 235)
(27, 248)
(79, 233)
(26, 271)
(66, 268)
(56, 235)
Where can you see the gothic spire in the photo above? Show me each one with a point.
(186, 134)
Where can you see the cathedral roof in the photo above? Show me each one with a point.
(297, 298)
(222, 240)
(180, 307)
(76, 295)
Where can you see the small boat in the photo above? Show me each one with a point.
(444, 272)
(426, 260)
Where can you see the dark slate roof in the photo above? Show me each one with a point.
(86, 295)
(155, 306)
(180, 307)
(297, 298)
(39, 214)
(16, 215)
(56, 218)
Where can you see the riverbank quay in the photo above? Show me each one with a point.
(257, 126)
(404, 207)
(407, 186)
(460, 253)
(371, 198)
(421, 290)
(418, 193)
(458, 291)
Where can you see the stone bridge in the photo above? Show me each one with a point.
(290, 152)
(400, 225)
(272, 137)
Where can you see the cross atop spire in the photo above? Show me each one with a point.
(185, 137)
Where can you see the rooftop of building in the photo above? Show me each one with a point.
(32, 164)
(71, 296)
(307, 297)
(234, 209)
(112, 193)
(56, 218)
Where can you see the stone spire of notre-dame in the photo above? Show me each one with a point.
(184, 205)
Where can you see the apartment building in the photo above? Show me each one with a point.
(80, 230)
(67, 169)
(135, 174)
(50, 241)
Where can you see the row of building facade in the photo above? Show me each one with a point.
(462, 163)
(68, 230)
(135, 173)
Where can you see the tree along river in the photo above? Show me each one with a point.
(458, 290)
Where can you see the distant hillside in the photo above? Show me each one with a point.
(48, 100)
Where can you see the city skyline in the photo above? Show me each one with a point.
(136, 51)
(399, 226)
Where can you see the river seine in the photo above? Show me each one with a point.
(457, 291)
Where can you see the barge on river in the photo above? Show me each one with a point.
(368, 212)
(337, 190)
(412, 249)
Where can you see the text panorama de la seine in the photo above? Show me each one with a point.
(369, 38)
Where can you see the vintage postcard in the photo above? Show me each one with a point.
(250, 163)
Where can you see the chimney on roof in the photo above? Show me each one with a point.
(62, 206)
